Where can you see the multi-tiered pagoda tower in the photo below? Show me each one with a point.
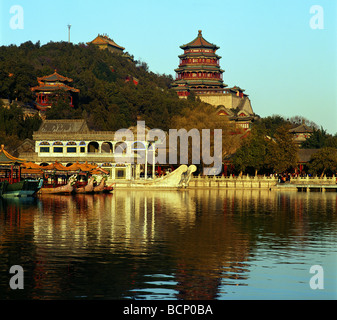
(199, 69)
(199, 72)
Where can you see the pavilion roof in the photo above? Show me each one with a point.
(54, 87)
(199, 55)
(198, 42)
(54, 77)
(303, 128)
(105, 40)
(6, 158)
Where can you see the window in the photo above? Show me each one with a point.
(71, 149)
(82, 149)
(120, 173)
(44, 149)
(58, 150)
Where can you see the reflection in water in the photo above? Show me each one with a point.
(190, 244)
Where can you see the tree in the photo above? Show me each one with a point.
(271, 124)
(318, 139)
(282, 151)
(204, 116)
(253, 151)
(324, 161)
(60, 108)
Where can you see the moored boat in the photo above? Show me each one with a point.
(100, 187)
(65, 189)
(11, 182)
(24, 188)
(89, 188)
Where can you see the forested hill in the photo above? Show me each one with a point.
(106, 99)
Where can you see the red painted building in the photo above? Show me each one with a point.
(199, 69)
(49, 87)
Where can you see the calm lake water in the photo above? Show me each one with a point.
(191, 244)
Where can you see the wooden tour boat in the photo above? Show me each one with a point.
(11, 182)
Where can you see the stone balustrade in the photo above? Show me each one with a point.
(254, 182)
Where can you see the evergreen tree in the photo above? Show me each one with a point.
(324, 161)
(253, 151)
(282, 151)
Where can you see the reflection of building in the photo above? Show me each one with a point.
(50, 87)
(199, 72)
(71, 141)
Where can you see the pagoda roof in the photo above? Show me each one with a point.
(199, 42)
(303, 128)
(6, 158)
(105, 40)
(54, 87)
(54, 77)
(199, 68)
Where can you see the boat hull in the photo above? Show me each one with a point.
(26, 188)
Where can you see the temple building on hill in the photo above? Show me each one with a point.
(199, 72)
(48, 89)
(199, 69)
(104, 42)
(301, 132)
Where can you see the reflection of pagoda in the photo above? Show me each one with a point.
(48, 88)
(199, 69)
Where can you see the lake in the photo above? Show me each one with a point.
(194, 244)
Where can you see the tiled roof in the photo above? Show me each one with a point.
(198, 42)
(303, 128)
(6, 158)
(63, 126)
(105, 40)
(305, 154)
(54, 77)
(55, 87)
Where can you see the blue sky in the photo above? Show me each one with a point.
(268, 47)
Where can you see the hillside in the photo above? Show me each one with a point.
(107, 100)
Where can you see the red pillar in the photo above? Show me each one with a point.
(11, 177)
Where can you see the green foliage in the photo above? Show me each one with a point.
(15, 127)
(270, 124)
(282, 154)
(253, 151)
(106, 99)
(265, 154)
(324, 161)
(320, 139)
